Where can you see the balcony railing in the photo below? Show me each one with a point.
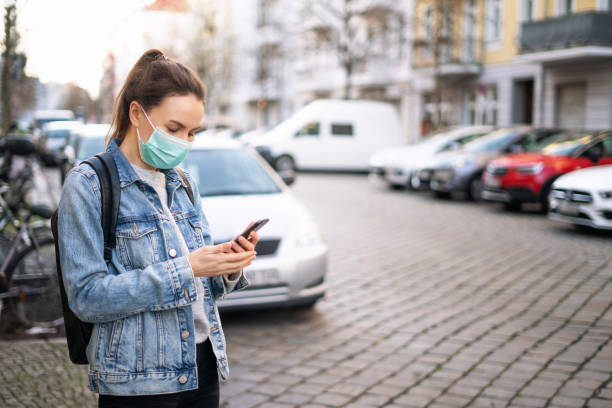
(456, 56)
(572, 30)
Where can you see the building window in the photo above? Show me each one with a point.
(427, 27)
(528, 10)
(469, 28)
(605, 5)
(482, 105)
(565, 7)
(494, 20)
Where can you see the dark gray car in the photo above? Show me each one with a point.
(462, 171)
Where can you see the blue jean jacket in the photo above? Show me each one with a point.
(143, 336)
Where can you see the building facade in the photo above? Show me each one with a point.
(503, 62)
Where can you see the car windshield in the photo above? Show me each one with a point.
(492, 142)
(566, 144)
(220, 172)
(58, 134)
(89, 147)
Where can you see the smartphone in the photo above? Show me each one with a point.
(255, 227)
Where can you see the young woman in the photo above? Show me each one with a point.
(157, 338)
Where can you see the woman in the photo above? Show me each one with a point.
(157, 338)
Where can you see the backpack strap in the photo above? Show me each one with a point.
(110, 188)
(187, 184)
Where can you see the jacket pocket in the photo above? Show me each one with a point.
(114, 339)
(138, 243)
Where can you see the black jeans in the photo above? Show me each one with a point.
(206, 396)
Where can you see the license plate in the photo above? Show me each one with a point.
(569, 208)
(491, 181)
(262, 277)
(443, 175)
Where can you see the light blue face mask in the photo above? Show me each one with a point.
(162, 151)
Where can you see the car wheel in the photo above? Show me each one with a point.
(475, 189)
(544, 197)
(512, 206)
(445, 195)
(284, 164)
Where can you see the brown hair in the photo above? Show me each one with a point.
(153, 78)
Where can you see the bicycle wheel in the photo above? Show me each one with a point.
(32, 276)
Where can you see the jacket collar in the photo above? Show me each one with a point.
(128, 175)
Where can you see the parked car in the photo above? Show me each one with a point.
(55, 135)
(331, 135)
(237, 186)
(85, 142)
(41, 117)
(583, 197)
(396, 166)
(251, 136)
(462, 171)
(527, 178)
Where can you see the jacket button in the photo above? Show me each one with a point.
(172, 253)
(182, 379)
(184, 334)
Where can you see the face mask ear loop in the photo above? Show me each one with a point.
(147, 116)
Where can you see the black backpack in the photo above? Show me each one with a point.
(78, 332)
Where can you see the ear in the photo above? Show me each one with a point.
(136, 115)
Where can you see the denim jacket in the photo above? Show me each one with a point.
(140, 303)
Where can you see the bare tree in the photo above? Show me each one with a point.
(352, 32)
(211, 56)
(78, 100)
(439, 44)
(9, 43)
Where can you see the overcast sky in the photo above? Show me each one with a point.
(67, 40)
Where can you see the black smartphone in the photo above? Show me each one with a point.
(255, 227)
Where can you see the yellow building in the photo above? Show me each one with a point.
(543, 62)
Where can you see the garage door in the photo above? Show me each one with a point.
(571, 103)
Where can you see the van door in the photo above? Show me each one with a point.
(306, 146)
(343, 152)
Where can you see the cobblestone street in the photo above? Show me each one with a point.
(430, 303)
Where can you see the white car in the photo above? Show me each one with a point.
(583, 197)
(236, 187)
(395, 166)
(56, 134)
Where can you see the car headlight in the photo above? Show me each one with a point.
(307, 236)
(606, 195)
(462, 162)
(532, 168)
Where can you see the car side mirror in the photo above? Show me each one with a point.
(288, 176)
(594, 155)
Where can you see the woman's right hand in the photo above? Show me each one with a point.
(219, 260)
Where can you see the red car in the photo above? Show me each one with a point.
(527, 177)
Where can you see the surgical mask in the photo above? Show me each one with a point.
(162, 151)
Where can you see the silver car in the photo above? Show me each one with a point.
(236, 187)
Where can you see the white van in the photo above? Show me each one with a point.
(41, 117)
(331, 135)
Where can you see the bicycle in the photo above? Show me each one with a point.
(28, 274)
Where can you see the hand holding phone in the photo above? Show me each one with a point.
(256, 226)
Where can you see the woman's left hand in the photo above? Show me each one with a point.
(245, 244)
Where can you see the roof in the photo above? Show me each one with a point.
(94, 130)
(62, 124)
(210, 142)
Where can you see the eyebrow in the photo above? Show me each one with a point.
(183, 126)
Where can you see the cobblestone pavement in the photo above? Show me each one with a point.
(430, 303)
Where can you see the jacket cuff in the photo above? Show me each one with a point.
(183, 281)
